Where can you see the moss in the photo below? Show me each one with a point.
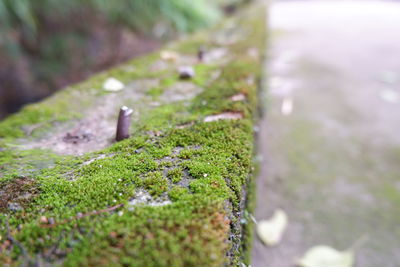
(161, 118)
(192, 45)
(155, 183)
(165, 83)
(187, 153)
(74, 102)
(175, 175)
(168, 81)
(35, 117)
(191, 239)
(155, 92)
(200, 168)
(203, 72)
(177, 192)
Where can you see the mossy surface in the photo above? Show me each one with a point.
(171, 195)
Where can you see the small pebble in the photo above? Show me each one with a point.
(43, 219)
(113, 85)
(52, 221)
(186, 72)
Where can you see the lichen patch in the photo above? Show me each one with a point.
(142, 197)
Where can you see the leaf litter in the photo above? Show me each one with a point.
(271, 231)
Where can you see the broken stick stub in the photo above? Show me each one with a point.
(124, 123)
(201, 53)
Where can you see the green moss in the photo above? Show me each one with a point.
(155, 92)
(168, 81)
(203, 72)
(188, 153)
(34, 117)
(175, 175)
(200, 167)
(155, 183)
(160, 118)
(177, 192)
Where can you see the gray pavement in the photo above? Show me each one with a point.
(331, 136)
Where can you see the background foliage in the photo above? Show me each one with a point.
(29, 17)
(48, 44)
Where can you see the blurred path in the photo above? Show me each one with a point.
(333, 161)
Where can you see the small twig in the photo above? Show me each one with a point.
(80, 216)
(200, 53)
(124, 123)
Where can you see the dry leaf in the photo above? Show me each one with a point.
(271, 231)
(324, 256)
(287, 106)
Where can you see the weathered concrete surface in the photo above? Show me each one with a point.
(334, 163)
(173, 194)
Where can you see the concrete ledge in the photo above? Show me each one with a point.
(173, 194)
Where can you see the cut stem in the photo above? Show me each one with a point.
(200, 53)
(124, 123)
